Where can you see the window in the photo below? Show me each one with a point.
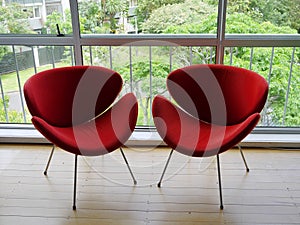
(266, 22)
(145, 40)
(37, 12)
(147, 17)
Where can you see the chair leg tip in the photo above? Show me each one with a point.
(135, 182)
(45, 173)
(248, 170)
(74, 207)
(221, 207)
(159, 185)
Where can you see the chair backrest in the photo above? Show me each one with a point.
(218, 94)
(71, 95)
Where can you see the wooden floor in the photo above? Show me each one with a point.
(268, 194)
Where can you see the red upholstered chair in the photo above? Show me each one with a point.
(73, 108)
(217, 106)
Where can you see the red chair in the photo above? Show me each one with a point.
(218, 106)
(72, 107)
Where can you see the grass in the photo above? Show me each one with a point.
(10, 80)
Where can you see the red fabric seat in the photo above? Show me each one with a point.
(191, 136)
(73, 108)
(98, 136)
(216, 107)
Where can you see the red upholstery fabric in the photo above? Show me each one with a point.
(218, 94)
(70, 107)
(96, 137)
(190, 136)
(218, 106)
(63, 101)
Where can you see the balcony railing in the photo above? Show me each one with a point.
(144, 61)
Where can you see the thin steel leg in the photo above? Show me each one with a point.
(134, 180)
(247, 168)
(50, 157)
(159, 183)
(75, 182)
(220, 185)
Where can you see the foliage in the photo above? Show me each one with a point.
(278, 76)
(99, 17)
(13, 19)
(91, 16)
(64, 23)
(94, 17)
(185, 17)
(3, 51)
(146, 7)
(260, 62)
(177, 15)
(237, 23)
(114, 7)
(277, 12)
(240, 23)
(144, 71)
(11, 116)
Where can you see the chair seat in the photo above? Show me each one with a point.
(98, 136)
(193, 137)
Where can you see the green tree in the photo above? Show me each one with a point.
(111, 8)
(146, 7)
(278, 12)
(142, 71)
(64, 23)
(241, 23)
(177, 15)
(11, 116)
(99, 16)
(13, 19)
(278, 78)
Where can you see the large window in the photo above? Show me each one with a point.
(144, 40)
(146, 17)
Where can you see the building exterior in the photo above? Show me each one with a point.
(39, 9)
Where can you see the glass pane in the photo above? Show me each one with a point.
(150, 17)
(144, 68)
(263, 17)
(35, 17)
(17, 64)
(280, 67)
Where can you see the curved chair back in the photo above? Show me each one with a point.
(67, 104)
(218, 93)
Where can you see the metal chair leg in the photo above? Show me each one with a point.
(125, 159)
(220, 185)
(75, 182)
(167, 163)
(247, 168)
(48, 163)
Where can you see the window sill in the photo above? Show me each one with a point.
(260, 137)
